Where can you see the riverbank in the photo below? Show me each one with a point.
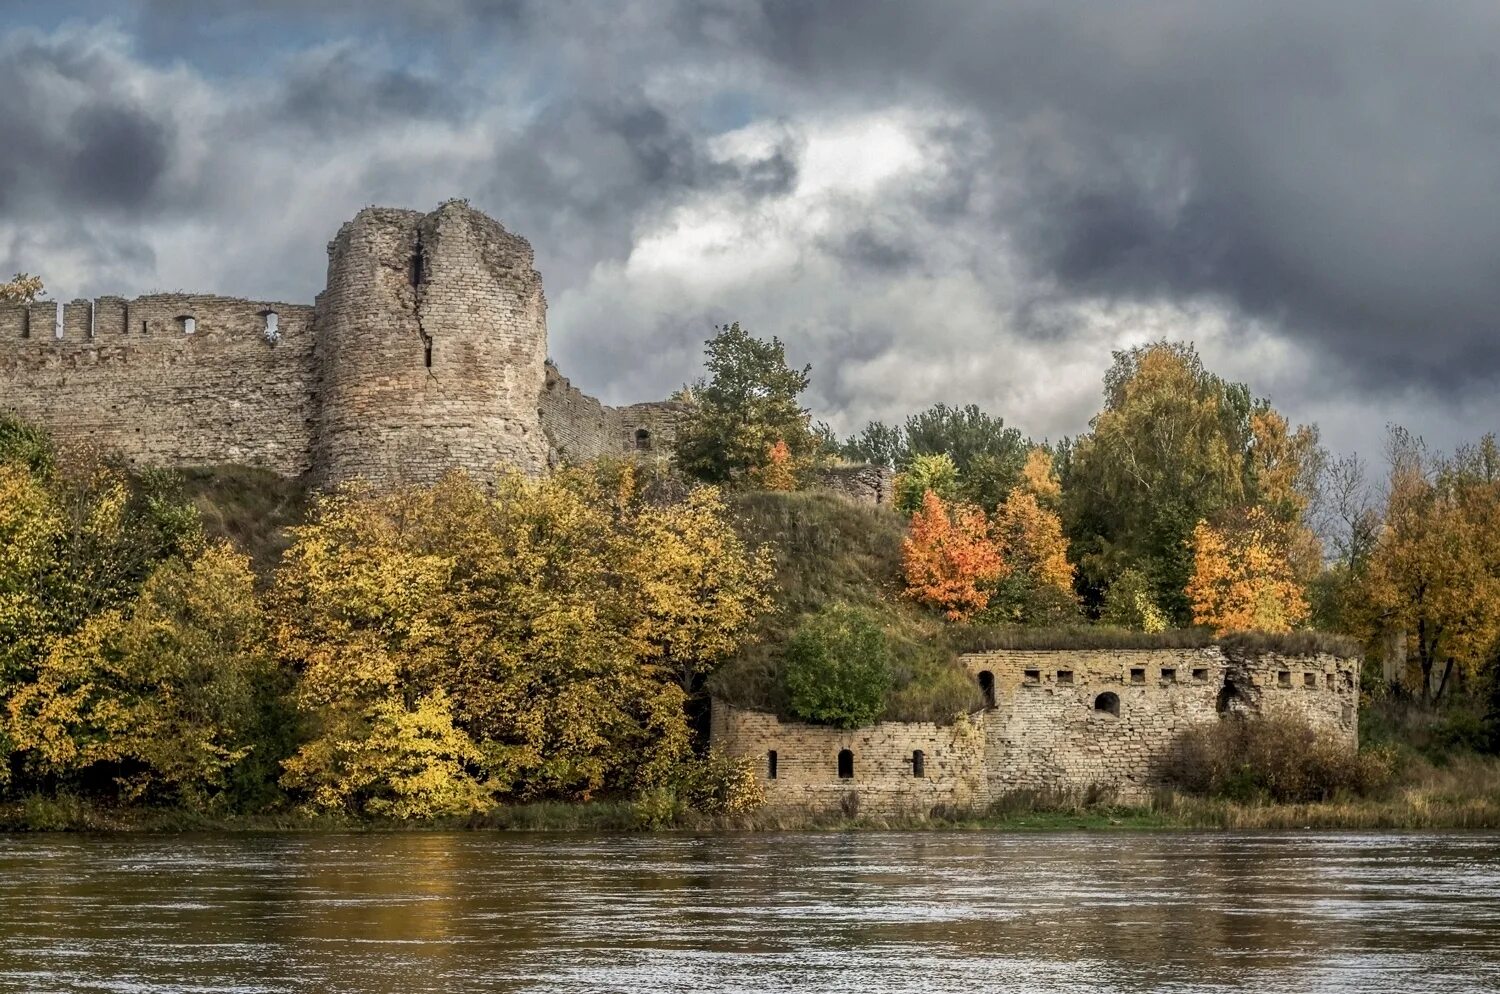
(1463, 793)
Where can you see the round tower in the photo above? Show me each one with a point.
(431, 339)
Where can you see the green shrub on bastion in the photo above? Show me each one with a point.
(838, 668)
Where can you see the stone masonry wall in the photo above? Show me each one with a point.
(807, 761)
(432, 335)
(126, 375)
(861, 484)
(1048, 732)
(1061, 721)
(578, 427)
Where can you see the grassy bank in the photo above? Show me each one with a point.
(1461, 793)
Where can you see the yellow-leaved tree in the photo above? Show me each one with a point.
(1244, 577)
(778, 471)
(1435, 571)
(161, 697)
(21, 288)
(553, 617)
(1037, 587)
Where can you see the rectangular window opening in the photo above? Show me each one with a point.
(771, 765)
(918, 763)
(1033, 676)
(1284, 678)
(427, 349)
(1200, 676)
(1064, 676)
(1310, 681)
(1168, 674)
(1138, 674)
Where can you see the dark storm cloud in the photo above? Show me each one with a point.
(337, 91)
(1332, 167)
(71, 138)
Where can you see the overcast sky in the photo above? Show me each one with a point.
(965, 201)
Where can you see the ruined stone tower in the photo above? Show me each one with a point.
(431, 340)
(426, 352)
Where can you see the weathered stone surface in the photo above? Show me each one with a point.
(1047, 731)
(425, 353)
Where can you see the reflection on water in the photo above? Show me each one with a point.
(866, 912)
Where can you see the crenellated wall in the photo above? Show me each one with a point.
(425, 353)
(126, 375)
(1058, 721)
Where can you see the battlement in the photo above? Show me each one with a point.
(425, 353)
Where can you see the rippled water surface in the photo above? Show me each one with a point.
(965, 912)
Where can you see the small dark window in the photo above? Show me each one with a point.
(1138, 674)
(427, 352)
(771, 765)
(1310, 681)
(846, 764)
(1284, 678)
(987, 687)
(418, 273)
(1347, 680)
(1033, 676)
(1227, 694)
(1108, 703)
(1200, 676)
(1330, 681)
(1064, 676)
(1168, 674)
(642, 440)
(918, 763)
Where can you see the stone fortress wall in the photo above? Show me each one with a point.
(1057, 721)
(426, 352)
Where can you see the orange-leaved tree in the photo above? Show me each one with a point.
(950, 559)
(778, 471)
(1244, 575)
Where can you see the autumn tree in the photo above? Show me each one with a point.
(1243, 575)
(161, 699)
(949, 558)
(22, 288)
(1037, 586)
(1434, 573)
(1175, 445)
(986, 454)
(749, 401)
(777, 470)
(559, 621)
(700, 588)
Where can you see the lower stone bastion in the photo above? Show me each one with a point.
(1064, 722)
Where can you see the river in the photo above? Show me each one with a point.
(869, 912)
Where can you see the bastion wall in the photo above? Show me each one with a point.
(1065, 722)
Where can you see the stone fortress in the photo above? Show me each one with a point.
(427, 351)
(1064, 722)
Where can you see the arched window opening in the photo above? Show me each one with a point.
(272, 332)
(1227, 694)
(427, 352)
(987, 687)
(846, 764)
(918, 763)
(642, 440)
(771, 765)
(1108, 702)
(189, 324)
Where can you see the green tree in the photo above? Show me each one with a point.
(1174, 445)
(837, 669)
(936, 473)
(748, 403)
(877, 443)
